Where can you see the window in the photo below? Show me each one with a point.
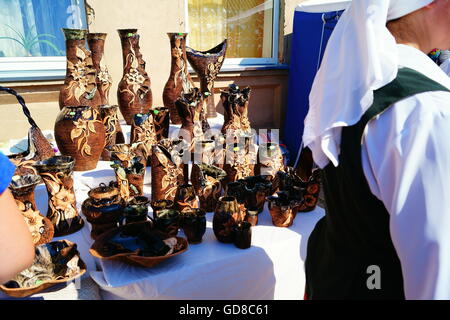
(251, 27)
(32, 45)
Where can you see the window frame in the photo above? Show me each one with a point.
(34, 68)
(239, 63)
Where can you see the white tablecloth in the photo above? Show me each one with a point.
(273, 268)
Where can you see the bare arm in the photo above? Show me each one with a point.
(16, 245)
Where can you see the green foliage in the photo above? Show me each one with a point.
(28, 40)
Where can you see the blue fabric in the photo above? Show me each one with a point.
(6, 172)
(306, 53)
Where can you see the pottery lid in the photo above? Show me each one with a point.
(103, 192)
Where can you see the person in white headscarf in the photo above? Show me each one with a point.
(379, 126)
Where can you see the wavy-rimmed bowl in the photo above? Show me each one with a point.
(132, 258)
(28, 291)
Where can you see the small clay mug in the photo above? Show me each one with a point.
(193, 223)
(167, 221)
(242, 235)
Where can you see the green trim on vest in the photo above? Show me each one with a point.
(354, 234)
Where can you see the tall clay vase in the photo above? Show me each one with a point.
(167, 168)
(96, 43)
(189, 107)
(80, 86)
(143, 131)
(22, 189)
(207, 65)
(57, 173)
(161, 121)
(206, 180)
(113, 131)
(226, 215)
(235, 104)
(133, 93)
(179, 79)
(80, 133)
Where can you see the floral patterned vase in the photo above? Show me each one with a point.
(206, 180)
(113, 131)
(179, 79)
(96, 43)
(161, 121)
(235, 103)
(185, 198)
(134, 93)
(80, 86)
(130, 177)
(22, 189)
(80, 133)
(207, 65)
(189, 107)
(167, 168)
(57, 173)
(143, 131)
(226, 215)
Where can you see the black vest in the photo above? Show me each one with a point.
(354, 234)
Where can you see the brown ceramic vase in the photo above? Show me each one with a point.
(113, 130)
(226, 215)
(80, 86)
(179, 79)
(80, 133)
(133, 93)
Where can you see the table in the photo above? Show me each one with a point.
(273, 268)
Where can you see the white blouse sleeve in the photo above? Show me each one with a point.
(406, 161)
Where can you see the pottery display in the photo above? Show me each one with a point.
(133, 93)
(103, 209)
(193, 223)
(282, 209)
(80, 133)
(167, 221)
(22, 189)
(161, 121)
(167, 168)
(143, 131)
(235, 104)
(207, 182)
(179, 81)
(57, 174)
(137, 244)
(38, 146)
(113, 131)
(226, 215)
(207, 65)
(80, 85)
(185, 198)
(189, 108)
(54, 263)
(242, 235)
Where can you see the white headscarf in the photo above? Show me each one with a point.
(361, 56)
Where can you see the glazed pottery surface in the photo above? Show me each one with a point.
(80, 86)
(179, 79)
(193, 223)
(206, 180)
(133, 93)
(113, 130)
(80, 133)
(226, 215)
(57, 174)
(235, 102)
